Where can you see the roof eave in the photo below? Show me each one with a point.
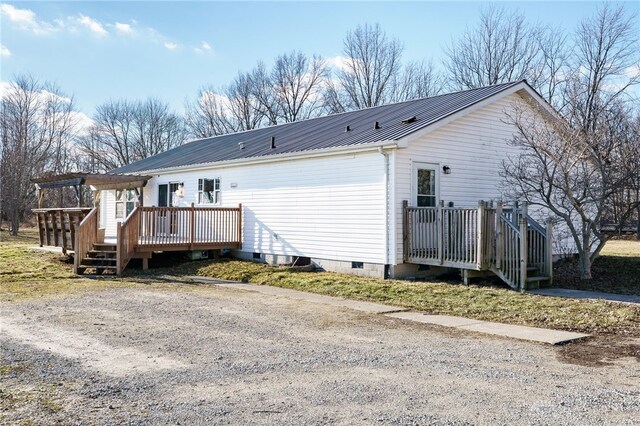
(386, 144)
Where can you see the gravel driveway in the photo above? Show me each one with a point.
(170, 354)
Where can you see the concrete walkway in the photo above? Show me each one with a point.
(539, 335)
(580, 294)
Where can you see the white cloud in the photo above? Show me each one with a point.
(4, 88)
(25, 19)
(95, 26)
(170, 45)
(4, 51)
(124, 28)
(82, 122)
(338, 62)
(203, 48)
(633, 71)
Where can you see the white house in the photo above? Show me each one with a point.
(330, 190)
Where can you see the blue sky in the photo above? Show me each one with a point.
(102, 50)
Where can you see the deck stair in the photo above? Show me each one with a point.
(504, 241)
(102, 258)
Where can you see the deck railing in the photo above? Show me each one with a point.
(56, 227)
(448, 236)
(190, 227)
(127, 239)
(86, 235)
(506, 241)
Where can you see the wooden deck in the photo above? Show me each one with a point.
(145, 230)
(57, 227)
(507, 242)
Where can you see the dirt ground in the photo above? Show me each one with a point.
(178, 354)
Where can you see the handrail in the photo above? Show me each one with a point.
(127, 239)
(86, 235)
(57, 226)
(506, 241)
(190, 227)
(534, 224)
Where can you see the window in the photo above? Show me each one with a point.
(209, 191)
(426, 188)
(125, 202)
(170, 195)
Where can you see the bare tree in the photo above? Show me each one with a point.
(265, 95)
(207, 116)
(124, 132)
(233, 108)
(296, 82)
(417, 80)
(372, 63)
(581, 165)
(36, 127)
(502, 48)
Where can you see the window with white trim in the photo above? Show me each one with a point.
(209, 191)
(125, 202)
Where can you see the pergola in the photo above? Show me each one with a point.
(96, 182)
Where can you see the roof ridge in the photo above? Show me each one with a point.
(322, 132)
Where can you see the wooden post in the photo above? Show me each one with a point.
(500, 236)
(549, 251)
(54, 220)
(523, 253)
(63, 229)
(76, 245)
(118, 248)
(192, 225)
(40, 230)
(40, 196)
(405, 230)
(240, 225)
(45, 217)
(440, 231)
(481, 236)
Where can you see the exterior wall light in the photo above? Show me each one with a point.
(446, 170)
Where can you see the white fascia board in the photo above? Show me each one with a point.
(404, 142)
(387, 144)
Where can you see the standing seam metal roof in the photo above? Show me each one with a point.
(319, 133)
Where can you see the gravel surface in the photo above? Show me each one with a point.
(206, 355)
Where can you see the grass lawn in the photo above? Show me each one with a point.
(25, 274)
(617, 270)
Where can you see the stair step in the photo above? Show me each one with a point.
(98, 260)
(102, 267)
(536, 279)
(105, 252)
(105, 245)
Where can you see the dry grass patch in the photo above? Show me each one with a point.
(25, 273)
(480, 302)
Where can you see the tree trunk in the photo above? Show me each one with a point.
(638, 225)
(585, 266)
(15, 224)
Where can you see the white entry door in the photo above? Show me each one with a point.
(425, 185)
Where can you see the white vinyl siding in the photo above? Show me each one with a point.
(328, 208)
(473, 146)
(109, 199)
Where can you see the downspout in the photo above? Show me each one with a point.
(386, 210)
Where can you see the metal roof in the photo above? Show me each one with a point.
(320, 133)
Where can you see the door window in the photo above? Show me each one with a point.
(426, 195)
